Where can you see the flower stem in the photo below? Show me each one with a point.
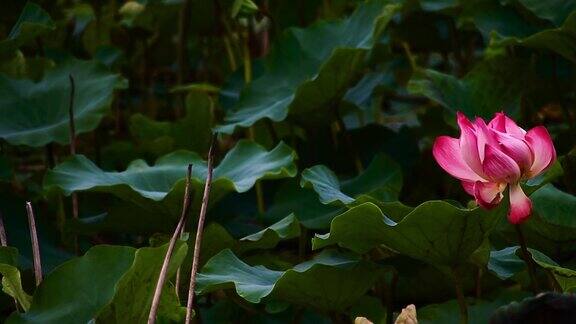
(460, 297)
(528, 259)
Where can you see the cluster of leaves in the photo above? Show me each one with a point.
(326, 203)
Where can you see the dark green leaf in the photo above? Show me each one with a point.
(491, 86)
(555, 206)
(131, 304)
(36, 114)
(285, 229)
(554, 10)
(32, 23)
(331, 281)
(382, 180)
(309, 69)
(11, 281)
(506, 263)
(304, 204)
(193, 132)
(159, 188)
(79, 289)
(479, 311)
(435, 232)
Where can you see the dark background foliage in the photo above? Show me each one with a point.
(326, 203)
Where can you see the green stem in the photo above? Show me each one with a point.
(460, 297)
(479, 274)
(528, 259)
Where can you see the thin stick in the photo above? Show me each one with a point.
(166, 263)
(72, 139)
(528, 259)
(35, 244)
(199, 232)
(460, 297)
(3, 239)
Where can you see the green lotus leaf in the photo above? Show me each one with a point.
(111, 283)
(33, 22)
(309, 69)
(11, 280)
(159, 188)
(550, 228)
(285, 229)
(504, 26)
(330, 281)
(382, 180)
(304, 204)
(507, 262)
(492, 85)
(133, 298)
(435, 232)
(36, 113)
(79, 289)
(554, 10)
(480, 311)
(193, 132)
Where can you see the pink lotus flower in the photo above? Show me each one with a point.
(489, 158)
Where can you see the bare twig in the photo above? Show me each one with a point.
(199, 232)
(3, 239)
(166, 263)
(35, 244)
